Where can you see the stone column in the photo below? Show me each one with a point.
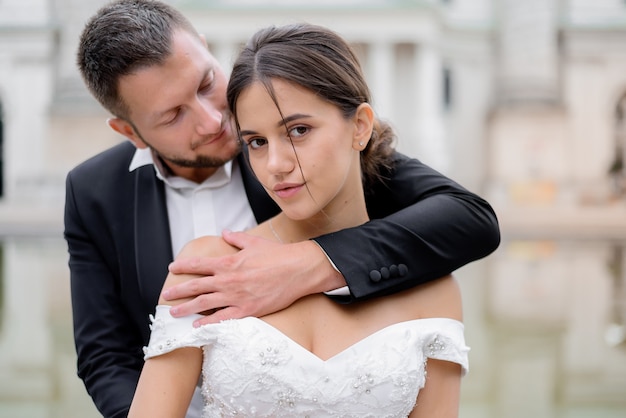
(380, 65)
(25, 84)
(527, 51)
(432, 147)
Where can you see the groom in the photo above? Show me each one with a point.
(181, 174)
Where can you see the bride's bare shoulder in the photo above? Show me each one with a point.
(207, 246)
(439, 298)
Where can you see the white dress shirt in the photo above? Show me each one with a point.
(220, 202)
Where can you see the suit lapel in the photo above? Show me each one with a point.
(153, 247)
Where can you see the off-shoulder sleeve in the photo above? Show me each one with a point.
(169, 333)
(445, 340)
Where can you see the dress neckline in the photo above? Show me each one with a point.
(435, 323)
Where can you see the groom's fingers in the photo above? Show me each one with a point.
(193, 265)
(206, 303)
(229, 312)
(192, 288)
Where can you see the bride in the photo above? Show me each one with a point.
(302, 108)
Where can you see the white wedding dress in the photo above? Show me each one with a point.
(251, 369)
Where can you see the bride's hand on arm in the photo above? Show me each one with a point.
(262, 278)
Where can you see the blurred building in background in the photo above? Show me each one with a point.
(523, 102)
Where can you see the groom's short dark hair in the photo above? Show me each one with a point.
(122, 37)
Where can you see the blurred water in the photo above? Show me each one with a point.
(545, 320)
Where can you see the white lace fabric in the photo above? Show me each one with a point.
(251, 369)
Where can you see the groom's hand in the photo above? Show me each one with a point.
(262, 278)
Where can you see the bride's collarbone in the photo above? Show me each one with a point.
(326, 328)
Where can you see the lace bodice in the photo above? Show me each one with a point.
(252, 369)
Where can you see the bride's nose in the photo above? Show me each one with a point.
(280, 156)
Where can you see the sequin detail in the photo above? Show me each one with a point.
(436, 346)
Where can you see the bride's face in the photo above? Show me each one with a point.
(307, 158)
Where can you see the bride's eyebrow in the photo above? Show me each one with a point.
(283, 122)
(293, 117)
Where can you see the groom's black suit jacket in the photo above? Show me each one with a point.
(117, 230)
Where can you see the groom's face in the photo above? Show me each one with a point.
(179, 108)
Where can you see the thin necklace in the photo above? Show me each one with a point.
(274, 232)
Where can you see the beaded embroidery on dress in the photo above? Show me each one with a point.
(251, 369)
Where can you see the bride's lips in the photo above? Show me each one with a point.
(286, 190)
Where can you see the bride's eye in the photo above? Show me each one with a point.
(256, 143)
(298, 131)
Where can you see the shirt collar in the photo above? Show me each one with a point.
(145, 156)
(142, 156)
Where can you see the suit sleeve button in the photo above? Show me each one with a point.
(375, 276)
(393, 270)
(384, 272)
(402, 270)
